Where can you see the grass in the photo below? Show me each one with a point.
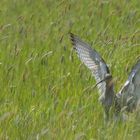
(44, 90)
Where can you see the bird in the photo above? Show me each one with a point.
(128, 98)
(130, 92)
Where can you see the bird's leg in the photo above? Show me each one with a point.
(105, 107)
(106, 114)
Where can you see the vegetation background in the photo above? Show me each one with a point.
(45, 91)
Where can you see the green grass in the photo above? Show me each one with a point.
(44, 90)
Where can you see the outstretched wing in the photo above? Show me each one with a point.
(130, 92)
(93, 61)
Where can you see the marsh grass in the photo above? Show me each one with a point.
(45, 92)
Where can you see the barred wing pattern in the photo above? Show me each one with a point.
(93, 61)
(130, 92)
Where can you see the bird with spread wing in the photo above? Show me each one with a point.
(128, 97)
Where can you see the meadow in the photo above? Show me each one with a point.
(45, 91)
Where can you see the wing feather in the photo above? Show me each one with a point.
(92, 60)
(131, 89)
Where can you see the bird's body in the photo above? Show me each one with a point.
(128, 96)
